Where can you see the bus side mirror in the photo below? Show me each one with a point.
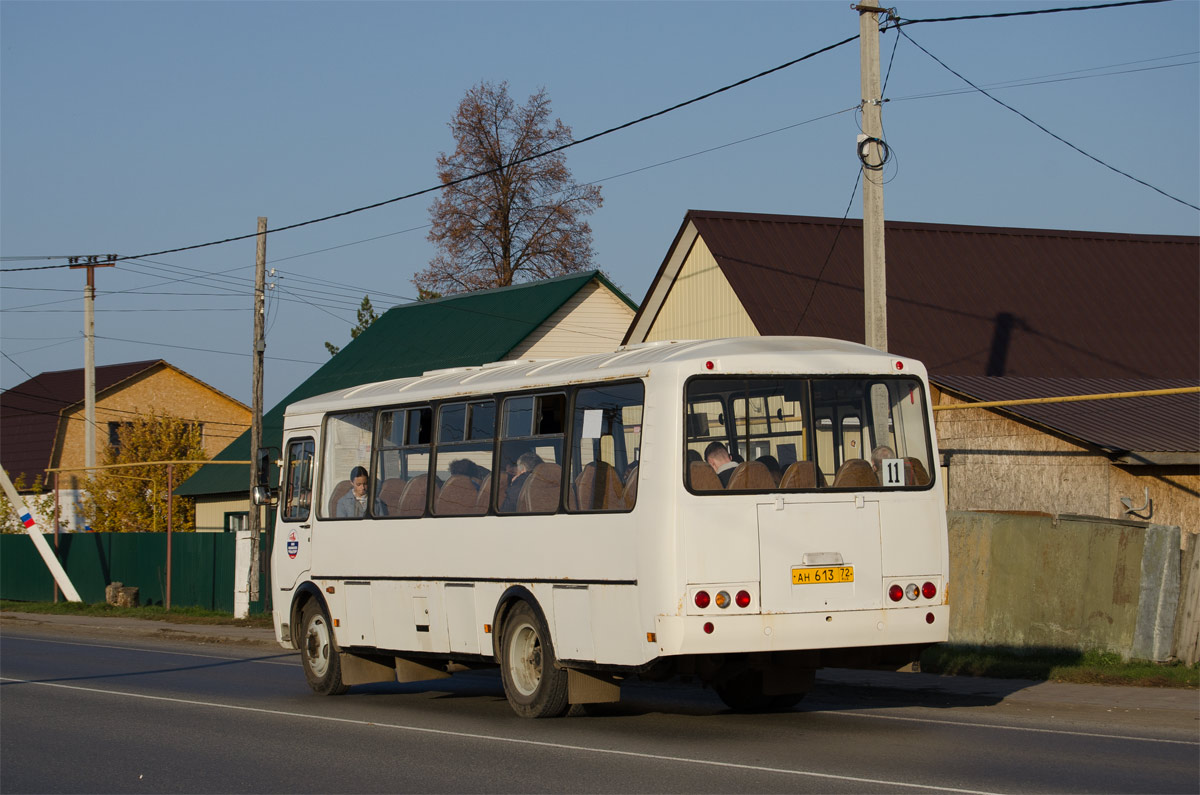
(261, 493)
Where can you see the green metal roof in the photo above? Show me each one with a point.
(457, 331)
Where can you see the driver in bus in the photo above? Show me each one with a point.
(717, 456)
(353, 504)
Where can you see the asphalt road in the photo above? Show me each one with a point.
(103, 710)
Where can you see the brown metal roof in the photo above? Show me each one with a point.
(29, 413)
(970, 300)
(1169, 423)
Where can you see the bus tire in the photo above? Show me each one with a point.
(322, 665)
(744, 693)
(534, 686)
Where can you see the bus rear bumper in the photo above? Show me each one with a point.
(794, 631)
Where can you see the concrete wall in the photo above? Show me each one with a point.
(1064, 582)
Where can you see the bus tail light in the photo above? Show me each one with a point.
(702, 599)
(722, 599)
(708, 627)
(912, 591)
(929, 590)
(742, 599)
(895, 593)
(929, 618)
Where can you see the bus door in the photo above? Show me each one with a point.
(293, 535)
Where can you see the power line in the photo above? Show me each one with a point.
(1048, 132)
(1041, 82)
(539, 155)
(1031, 13)
(202, 350)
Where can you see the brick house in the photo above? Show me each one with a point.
(43, 421)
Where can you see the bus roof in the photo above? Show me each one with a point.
(737, 355)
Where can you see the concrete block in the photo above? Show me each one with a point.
(1158, 602)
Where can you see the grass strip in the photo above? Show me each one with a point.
(1057, 665)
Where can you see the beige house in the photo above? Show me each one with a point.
(994, 314)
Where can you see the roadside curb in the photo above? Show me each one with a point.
(202, 633)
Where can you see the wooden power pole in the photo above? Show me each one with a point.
(246, 560)
(256, 386)
(872, 155)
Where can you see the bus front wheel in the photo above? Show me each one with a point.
(322, 666)
(535, 687)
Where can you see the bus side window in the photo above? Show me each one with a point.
(464, 457)
(401, 479)
(347, 452)
(531, 450)
(606, 431)
(297, 497)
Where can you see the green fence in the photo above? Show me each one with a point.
(201, 568)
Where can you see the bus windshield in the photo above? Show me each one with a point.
(789, 434)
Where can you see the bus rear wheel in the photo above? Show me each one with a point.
(744, 693)
(534, 686)
(322, 665)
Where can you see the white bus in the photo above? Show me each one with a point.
(567, 521)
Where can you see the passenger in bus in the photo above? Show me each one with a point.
(467, 467)
(772, 465)
(525, 464)
(879, 454)
(354, 504)
(717, 456)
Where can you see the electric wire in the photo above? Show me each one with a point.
(899, 23)
(1037, 82)
(1043, 129)
(1035, 12)
(202, 350)
(451, 183)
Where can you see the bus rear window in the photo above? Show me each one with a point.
(798, 434)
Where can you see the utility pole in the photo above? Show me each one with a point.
(89, 355)
(247, 583)
(872, 155)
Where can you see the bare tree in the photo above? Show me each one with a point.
(522, 219)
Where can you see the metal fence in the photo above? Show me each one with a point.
(202, 568)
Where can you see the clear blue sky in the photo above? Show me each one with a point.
(135, 127)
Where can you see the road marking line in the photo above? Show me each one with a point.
(151, 651)
(1007, 728)
(512, 740)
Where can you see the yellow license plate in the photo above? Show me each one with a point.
(814, 576)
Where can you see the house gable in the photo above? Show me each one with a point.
(700, 302)
(591, 321)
